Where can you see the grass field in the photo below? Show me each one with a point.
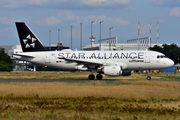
(81, 75)
(127, 98)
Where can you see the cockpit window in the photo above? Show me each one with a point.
(161, 56)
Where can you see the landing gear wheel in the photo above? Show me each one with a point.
(99, 76)
(91, 77)
(148, 78)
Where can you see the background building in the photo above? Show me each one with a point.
(112, 44)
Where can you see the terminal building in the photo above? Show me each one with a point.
(112, 44)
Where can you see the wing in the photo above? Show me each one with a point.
(96, 63)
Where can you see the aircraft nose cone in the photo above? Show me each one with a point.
(170, 63)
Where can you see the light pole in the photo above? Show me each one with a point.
(71, 37)
(92, 26)
(58, 39)
(49, 39)
(81, 36)
(100, 34)
(110, 37)
(92, 37)
(110, 31)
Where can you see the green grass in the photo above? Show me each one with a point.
(83, 75)
(127, 98)
(91, 107)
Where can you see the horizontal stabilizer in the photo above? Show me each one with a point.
(23, 55)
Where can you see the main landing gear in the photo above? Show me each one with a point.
(98, 76)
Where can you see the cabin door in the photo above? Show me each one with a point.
(47, 58)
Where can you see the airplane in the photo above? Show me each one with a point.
(110, 63)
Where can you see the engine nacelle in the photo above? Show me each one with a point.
(115, 71)
(112, 70)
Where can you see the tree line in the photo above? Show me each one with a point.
(171, 51)
(6, 63)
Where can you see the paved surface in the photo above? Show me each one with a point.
(2, 80)
(53, 80)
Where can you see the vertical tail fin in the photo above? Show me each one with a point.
(29, 42)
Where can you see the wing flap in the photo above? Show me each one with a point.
(82, 61)
(96, 62)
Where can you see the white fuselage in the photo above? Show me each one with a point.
(69, 60)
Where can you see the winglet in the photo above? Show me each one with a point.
(28, 40)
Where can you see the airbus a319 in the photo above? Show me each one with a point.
(111, 63)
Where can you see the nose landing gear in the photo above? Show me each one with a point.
(148, 76)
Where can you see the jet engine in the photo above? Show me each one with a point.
(115, 71)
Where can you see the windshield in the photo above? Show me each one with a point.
(161, 56)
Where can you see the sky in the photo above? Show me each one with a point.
(43, 16)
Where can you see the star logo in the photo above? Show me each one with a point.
(29, 42)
